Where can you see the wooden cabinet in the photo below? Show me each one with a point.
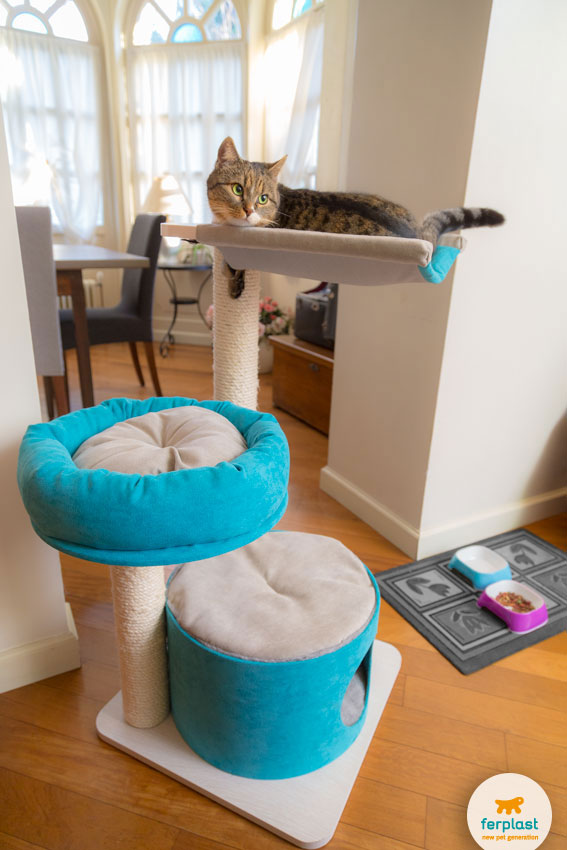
(302, 380)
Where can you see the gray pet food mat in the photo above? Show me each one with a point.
(441, 604)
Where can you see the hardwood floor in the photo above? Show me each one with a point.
(442, 733)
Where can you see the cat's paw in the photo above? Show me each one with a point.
(235, 282)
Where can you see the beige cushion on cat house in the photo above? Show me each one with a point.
(286, 596)
(163, 441)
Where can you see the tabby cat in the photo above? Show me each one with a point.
(248, 194)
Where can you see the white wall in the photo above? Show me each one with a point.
(499, 449)
(416, 76)
(36, 639)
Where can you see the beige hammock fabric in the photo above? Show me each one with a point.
(336, 257)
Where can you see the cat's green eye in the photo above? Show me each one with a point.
(263, 199)
(237, 188)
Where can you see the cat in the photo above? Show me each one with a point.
(247, 194)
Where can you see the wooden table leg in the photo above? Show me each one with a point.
(71, 283)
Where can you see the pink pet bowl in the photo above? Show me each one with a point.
(517, 622)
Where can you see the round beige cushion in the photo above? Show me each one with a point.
(163, 441)
(286, 596)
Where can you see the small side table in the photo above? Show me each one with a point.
(168, 269)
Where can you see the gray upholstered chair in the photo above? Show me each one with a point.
(34, 230)
(131, 320)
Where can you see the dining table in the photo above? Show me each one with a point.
(70, 261)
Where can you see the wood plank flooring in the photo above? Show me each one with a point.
(442, 733)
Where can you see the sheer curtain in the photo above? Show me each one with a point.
(183, 101)
(51, 90)
(293, 66)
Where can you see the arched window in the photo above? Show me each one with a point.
(186, 66)
(51, 86)
(292, 105)
(160, 21)
(47, 17)
(284, 11)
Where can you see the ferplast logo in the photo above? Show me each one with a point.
(504, 826)
(511, 808)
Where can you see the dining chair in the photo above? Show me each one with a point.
(131, 319)
(35, 234)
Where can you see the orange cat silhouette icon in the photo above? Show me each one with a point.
(510, 805)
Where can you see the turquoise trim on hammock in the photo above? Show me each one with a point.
(441, 262)
(265, 719)
(145, 520)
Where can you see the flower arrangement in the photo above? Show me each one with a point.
(272, 319)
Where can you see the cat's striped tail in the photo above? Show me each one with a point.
(442, 221)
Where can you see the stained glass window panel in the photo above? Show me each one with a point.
(42, 5)
(29, 22)
(197, 8)
(151, 27)
(172, 8)
(187, 33)
(300, 6)
(224, 24)
(67, 22)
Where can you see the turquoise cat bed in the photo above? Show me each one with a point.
(142, 520)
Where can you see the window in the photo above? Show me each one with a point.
(51, 92)
(284, 11)
(292, 102)
(46, 17)
(160, 21)
(185, 68)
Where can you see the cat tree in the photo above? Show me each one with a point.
(305, 810)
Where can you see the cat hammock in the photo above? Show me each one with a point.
(304, 809)
(334, 257)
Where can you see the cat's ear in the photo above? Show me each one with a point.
(275, 167)
(227, 152)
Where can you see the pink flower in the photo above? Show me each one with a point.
(261, 330)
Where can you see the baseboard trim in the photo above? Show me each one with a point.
(31, 662)
(383, 520)
(187, 331)
(419, 543)
(501, 519)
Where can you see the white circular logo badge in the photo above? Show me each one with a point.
(510, 809)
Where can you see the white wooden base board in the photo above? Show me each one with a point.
(32, 662)
(304, 810)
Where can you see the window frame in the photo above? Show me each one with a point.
(270, 31)
(110, 213)
(128, 22)
(93, 31)
(136, 7)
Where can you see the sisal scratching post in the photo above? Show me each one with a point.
(139, 598)
(235, 336)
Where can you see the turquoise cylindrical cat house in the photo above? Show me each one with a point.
(273, 682)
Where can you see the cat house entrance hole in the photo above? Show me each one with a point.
(356, 695)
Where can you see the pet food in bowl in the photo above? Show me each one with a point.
(505, 598)
(515, 601)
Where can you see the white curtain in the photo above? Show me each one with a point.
(293, 68)
(51, 90)
(183, 101)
